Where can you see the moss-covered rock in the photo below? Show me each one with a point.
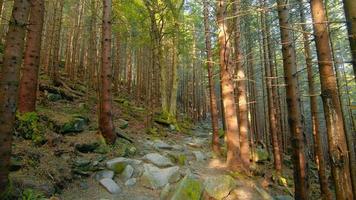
(28, 126)
(75, 125)
(188, 188)
(260, 155)
(220, 186)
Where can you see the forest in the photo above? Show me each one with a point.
(177, 99)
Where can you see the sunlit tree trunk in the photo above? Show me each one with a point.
(241, 90)
(232, 132)
(29, 71)
(105, 116)
(319, 155)
(338, 150)
(293, 101)
(10, 71)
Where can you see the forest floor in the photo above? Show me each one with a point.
(161, 163)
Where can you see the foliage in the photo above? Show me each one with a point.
(29, 194)
(29, 128)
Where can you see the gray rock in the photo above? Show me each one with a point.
(155, 178)
(110, 185)
(123, 124)
(283, 197)
(165, 192)
(199, 156)
(158, 144)
(219, 187)
(128, 172)
(127, 161)
(131, 182)
(177, 147)
(158, 160)
(104, 174)
(188, 188)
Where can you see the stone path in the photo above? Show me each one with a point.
(176, 167)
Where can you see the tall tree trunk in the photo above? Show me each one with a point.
(233, 159)
(29, 71)
(241, 90)
(13, 54)
(319, 155)
(213, 105)
(293, 101)
(338, 150)
(350, 14)
(105, 119)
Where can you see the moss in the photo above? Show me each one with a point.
(29, 127)
(181, 159)
(119, 168)
(188, 188)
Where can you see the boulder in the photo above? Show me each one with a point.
(219, 187)
(155, 178)
(119, 164)
(123, 124)
(131, 182)
(86, 148)
(283, 197)
(75, 125)
(260, 155)
(104, 174)
(199, 156)
(110, 185)
(53, 97)
(188, 188)
(128, 172)
(158, 144)
(158, 160)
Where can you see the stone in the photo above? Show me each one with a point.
(172, 127)
(199, 156)
(165, 192)
(75, 125)
(110, 164)
(155, 178)
(110, 185)
(158, 160)
(123, 124)
(283, 197)
(128, 172)
(104, 174)
(16, 163)
(53, 97)
(188, 188)
(219, 187)
(158, 144)
(178, 147)
(260, 155)
(131, 182)
(87, 148)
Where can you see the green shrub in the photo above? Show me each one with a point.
(29, 128)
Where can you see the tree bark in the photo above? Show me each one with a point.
(105, 119)
(293, 101)
(29, 71)
(233, 159)
(338, 150)
(319, 155)
(213, 105)
(350, 15)
(241, 90)
(13, 54)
